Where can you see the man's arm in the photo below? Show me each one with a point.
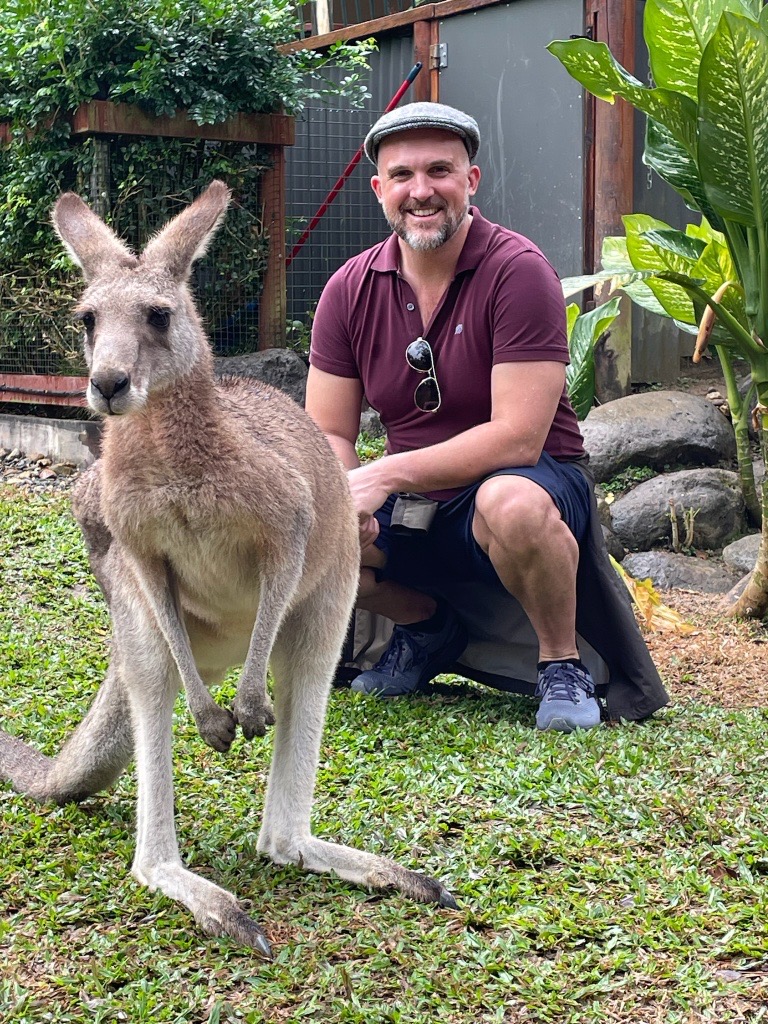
(525, 396)
(334, 403)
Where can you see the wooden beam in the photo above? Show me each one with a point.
(272, 302)
(100, 117)
(323, 16)
(43, 389)
(422, 40)
(614, 24)
(375, 27)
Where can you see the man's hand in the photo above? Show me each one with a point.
(369, 486)
(369, 492)
(368, 526)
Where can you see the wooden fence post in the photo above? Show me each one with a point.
(613, 22)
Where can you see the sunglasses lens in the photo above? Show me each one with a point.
(419, 355)
(427, 395)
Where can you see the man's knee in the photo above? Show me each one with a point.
(513, 511)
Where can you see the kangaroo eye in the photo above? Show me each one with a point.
(88, 320)
(159, 318)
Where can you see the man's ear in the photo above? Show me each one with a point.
(376, 186)
(474, 179)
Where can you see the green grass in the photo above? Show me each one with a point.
(615, 875)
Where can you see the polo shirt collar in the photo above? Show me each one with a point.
(475, 246)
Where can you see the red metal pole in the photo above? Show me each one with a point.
(348, 170)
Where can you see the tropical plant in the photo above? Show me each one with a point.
(707, 136)
(651, 247)
(584, 332)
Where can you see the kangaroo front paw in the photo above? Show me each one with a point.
(217, 726)
(253, 717)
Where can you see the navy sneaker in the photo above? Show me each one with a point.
(567, 698)
(412, 659)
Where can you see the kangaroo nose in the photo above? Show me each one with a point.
(111, 383)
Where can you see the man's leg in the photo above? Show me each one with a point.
(426, 641)
(536, 557)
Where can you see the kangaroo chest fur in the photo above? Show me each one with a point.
(214, 520)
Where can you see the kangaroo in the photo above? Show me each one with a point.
(220, 528)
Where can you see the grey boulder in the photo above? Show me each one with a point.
(280, 367)
(656, 429)
(641, 519)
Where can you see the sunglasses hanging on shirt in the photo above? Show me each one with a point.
(420, 358)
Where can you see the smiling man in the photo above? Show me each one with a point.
(454, 330)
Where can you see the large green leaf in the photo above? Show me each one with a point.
(584, 335)
(645, 255)
(616, 259)
(672, 162)
(733, 121)
(676, 34)
(764, 19)
(714, 267)
(602, 280)
(594, 66)
(688, 247)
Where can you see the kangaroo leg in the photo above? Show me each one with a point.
(155, 581)
(152, 683)
(253, 708)
(303, 663)
(91, 759)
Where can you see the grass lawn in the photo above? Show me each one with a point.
(616, 875)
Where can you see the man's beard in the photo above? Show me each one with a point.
(423, 242)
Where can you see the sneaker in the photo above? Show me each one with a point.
(567, 698)
(412, 659)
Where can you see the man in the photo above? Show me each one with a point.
(454, 330)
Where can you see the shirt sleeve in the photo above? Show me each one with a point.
(331, 347)
(528, 312)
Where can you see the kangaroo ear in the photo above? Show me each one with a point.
(186, 237)
(92, 245)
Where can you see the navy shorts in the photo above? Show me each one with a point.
(449, 552)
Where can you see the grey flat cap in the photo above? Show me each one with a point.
(424, 115)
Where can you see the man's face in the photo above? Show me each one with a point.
(424, 183)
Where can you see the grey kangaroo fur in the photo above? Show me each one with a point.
(220, 528)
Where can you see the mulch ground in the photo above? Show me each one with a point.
(722, 662)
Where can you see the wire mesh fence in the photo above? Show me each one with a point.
(327, 137)
(137, 185)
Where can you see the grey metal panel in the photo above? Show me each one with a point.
(530, 114)
(657, 345)
(327, 137)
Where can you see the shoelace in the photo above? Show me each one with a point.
(395, 654)
(563, 683)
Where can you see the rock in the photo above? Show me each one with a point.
(613, 544)
(47, 474)
(370, 424)
(641, 518)
(35, 457)
(603, 508)
(64, 469)
(14, 454)
(656, 429)
(280, 367)
(741, 555)
(666, 570)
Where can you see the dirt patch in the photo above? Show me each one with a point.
(721, 663)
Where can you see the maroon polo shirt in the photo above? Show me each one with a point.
(505, 304)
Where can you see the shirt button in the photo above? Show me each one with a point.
(410, 307)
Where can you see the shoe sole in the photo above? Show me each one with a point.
(562, 725)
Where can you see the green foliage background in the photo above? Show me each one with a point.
(213, 58)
